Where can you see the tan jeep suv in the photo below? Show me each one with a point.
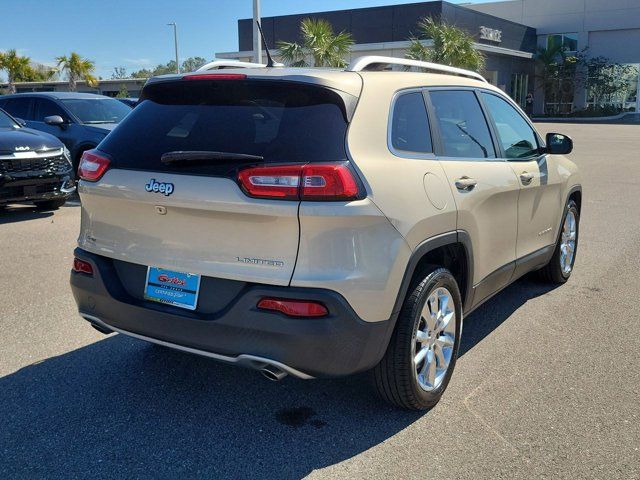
(320, 223)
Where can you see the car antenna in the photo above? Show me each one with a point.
(270, 62)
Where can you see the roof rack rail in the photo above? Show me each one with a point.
(219, 64)
(375, 62)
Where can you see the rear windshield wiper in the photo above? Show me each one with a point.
(197, 156)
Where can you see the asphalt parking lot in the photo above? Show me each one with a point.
(548, 384)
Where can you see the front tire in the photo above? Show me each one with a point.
(559, 268)
(422, 352)
(50, 204)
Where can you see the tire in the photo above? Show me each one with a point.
(554, 272)
(396, 376)
(50, 204)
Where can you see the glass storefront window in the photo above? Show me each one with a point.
(568, 41)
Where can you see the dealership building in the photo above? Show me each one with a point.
(507, 32)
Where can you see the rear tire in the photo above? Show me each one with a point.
(559, 268)
(50, 204)
(422, 330)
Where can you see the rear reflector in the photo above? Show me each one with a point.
(294, 308)
(320, 182)
(216, 76)
(92, 166)
(81, 266)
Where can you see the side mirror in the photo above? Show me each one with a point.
(55, 120)
(559, 144)
(21, 122)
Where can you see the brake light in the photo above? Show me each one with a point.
(216, 76)
(294, 308)
(328, 182)
(320, 182)
(92, 166)
(81, 266)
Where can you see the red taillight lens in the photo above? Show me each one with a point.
(294, 308)
(320, 182)
(216, 76)
(92, 166)
(81, 266)
(328, 182)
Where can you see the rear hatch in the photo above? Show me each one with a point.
(193, 215)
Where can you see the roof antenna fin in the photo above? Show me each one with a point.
(270, 62)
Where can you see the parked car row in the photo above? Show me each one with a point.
(43, 136)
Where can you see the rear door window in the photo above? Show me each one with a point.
(410, 125)
(284, 122)
(19, 107)
(463, 127)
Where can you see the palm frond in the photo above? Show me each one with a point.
(320, 43)
(451, 46)
(292, 54)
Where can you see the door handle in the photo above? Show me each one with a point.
(526, 178)
(466, 184)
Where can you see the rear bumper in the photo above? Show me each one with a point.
(14, 189)
(336, 345)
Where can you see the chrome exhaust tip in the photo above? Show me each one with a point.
(273, 373)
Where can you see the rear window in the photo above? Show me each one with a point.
(284, 122)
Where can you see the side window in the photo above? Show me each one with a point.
(463, 128)
(410, 125)
(19, 107)
(514, 133)
(47, 108)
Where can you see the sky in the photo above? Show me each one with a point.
(133, 33)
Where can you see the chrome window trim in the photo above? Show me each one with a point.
(407, 153)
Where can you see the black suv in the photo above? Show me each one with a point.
(34, 166)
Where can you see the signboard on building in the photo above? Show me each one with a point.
(490, 34)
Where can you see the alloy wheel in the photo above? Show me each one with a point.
(434, 339)
(568, 242)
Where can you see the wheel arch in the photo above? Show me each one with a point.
(452, 250)
(575, 194)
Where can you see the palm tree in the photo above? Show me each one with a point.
(77, 68)
(556, 74)
(17, 68)
(548, 60)
(451, 46)
(320, 43)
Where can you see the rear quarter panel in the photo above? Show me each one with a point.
(362, 249)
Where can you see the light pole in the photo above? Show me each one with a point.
(257, 43)
(175, 41)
